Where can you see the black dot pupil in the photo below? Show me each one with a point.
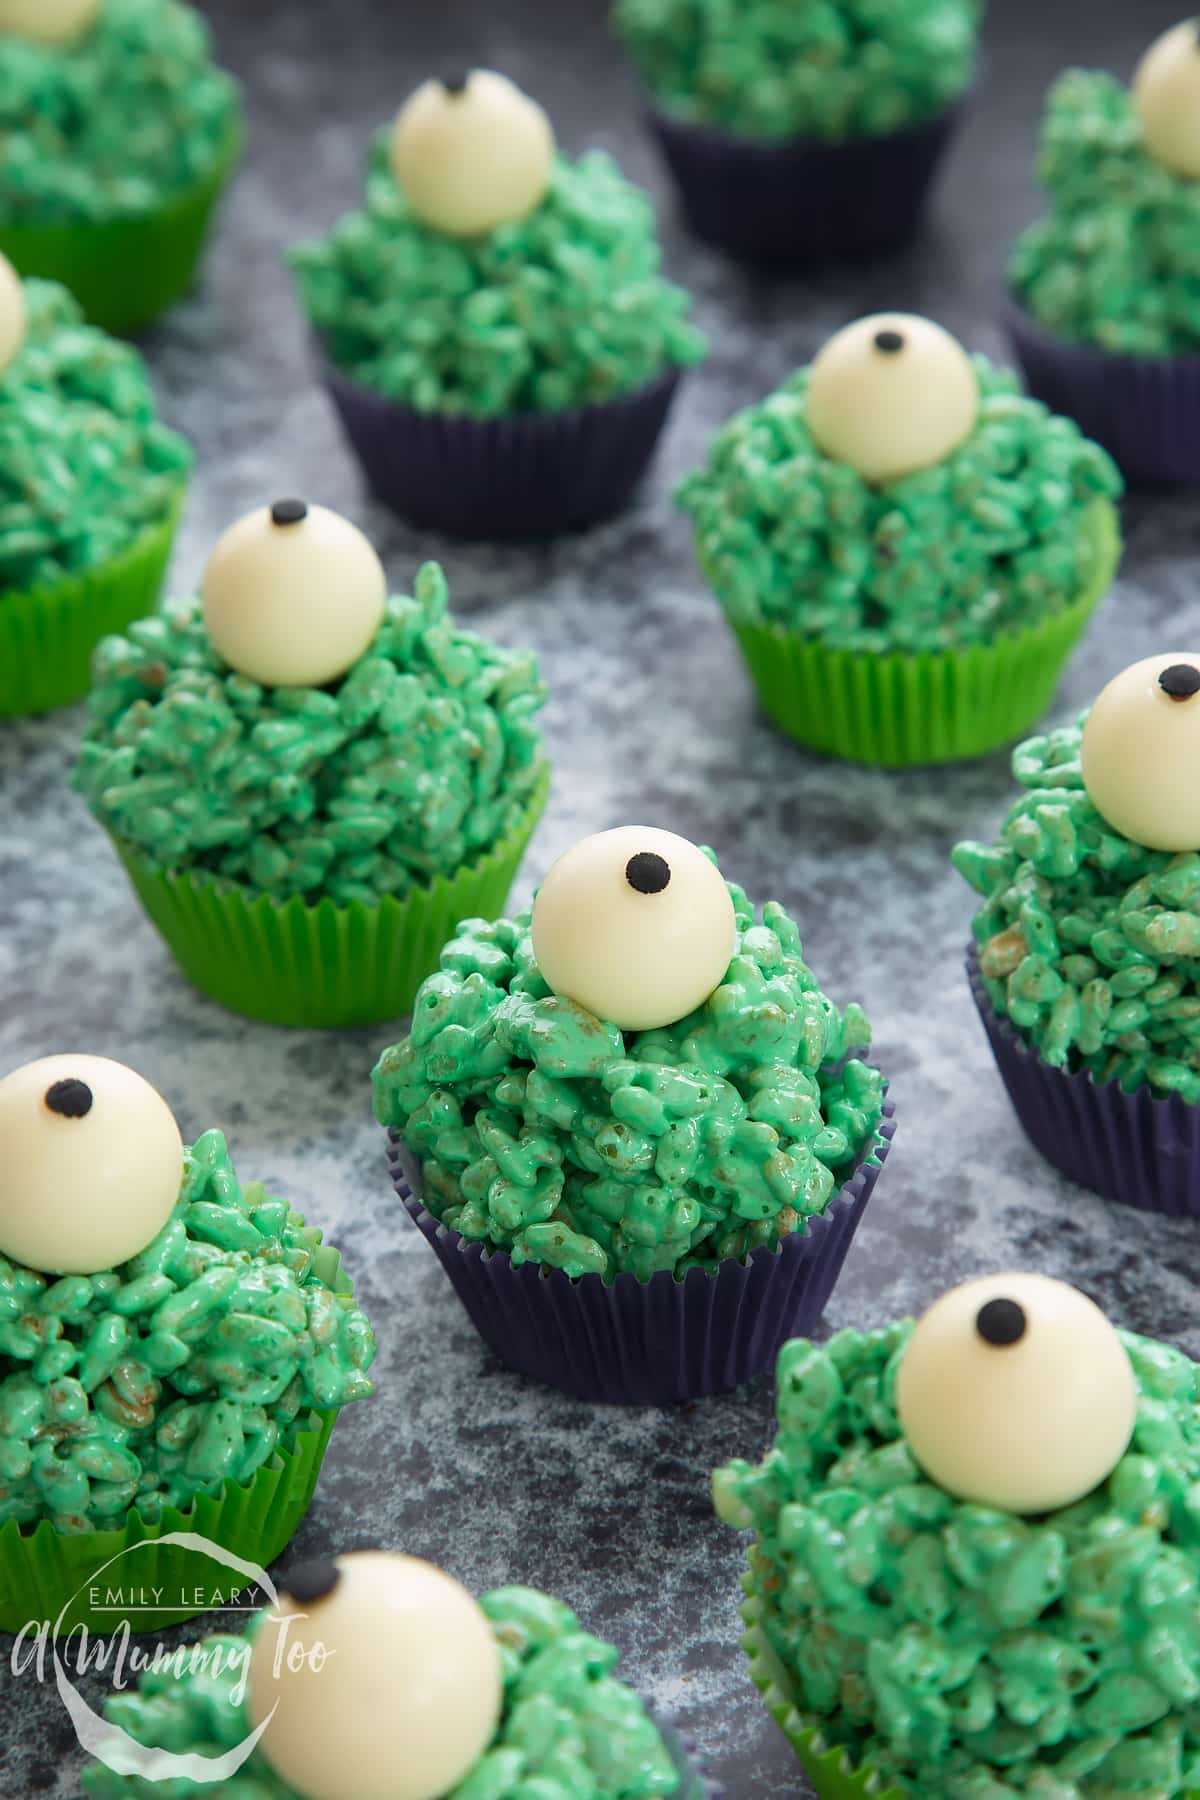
(311, 1581)
(456, 84)
(1180, 681)
(889, 341)
(288, 512)
(648, 872)
(1001, 1322)
(71, 1099)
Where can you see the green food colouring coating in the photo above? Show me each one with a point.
(425, 755)
(1113, 261)
(189, 1365)
(992, 539)
(85, 467)
(116, 123)
(959, 1651)
(569, 1730)
(777, 69)
(549, 1133)
(1088, 943)
(562, 308)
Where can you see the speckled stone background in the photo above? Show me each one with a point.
(650, 718)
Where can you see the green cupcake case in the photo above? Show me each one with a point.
(323, 965)
(126, 270)
(48, 633)
(828, 1768)
(905, 709)
(46, 1572)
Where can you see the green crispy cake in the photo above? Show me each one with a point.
(832, 69)
(545, 1130)
(564, 307)
(976, 1554)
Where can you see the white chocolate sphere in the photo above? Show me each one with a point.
(472, 154)
(12, 313)
(1166, 97)
(1014, 1391)
(293, 595)
(409, 1698)
(636, 925)
(47, 21)
(891, 394)
(1141, 752)
(91, 1164)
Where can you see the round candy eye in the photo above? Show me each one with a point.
(12, 313)
(293, 595)
(1016, 1392)
(1140, 748)
(381, 1679)
(47, 21)
(91, 1164)
(636, 925)
(1166, 97)
(472, 152)
(891, 394)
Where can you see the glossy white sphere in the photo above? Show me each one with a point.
(636, 925)
(48, 21)
(472, 155)
(12, 313)
(1141, 752)
(1166, 96)
(891, 394)
(381, 1678)
(1014, 1391)
(91, 1165)
(293, 595)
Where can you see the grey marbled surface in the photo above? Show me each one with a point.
(650, 718)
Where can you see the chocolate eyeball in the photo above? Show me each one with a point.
(47, 21)
(1015, 1392)
(472, 152)
(891, 394)
(1141, 751)
(293, 595)
(91, 1164)
(381, 1679)
(636, 925)
(1166, 97)
(12, 313)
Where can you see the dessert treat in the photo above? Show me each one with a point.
(174, 1348)
(308, 782)
(797, 134)
(974, 1563)
(492, 325)
(1103, 310)
(1085, 964)
(640, 1178)
(401, 1686)
(118, 215)
(90, 490)
(905, 548)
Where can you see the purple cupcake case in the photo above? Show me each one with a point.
(661, 1341)
(695, 1782)
(1145, 410)
(530, 475)
(1136, 1147)
(793, 205)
